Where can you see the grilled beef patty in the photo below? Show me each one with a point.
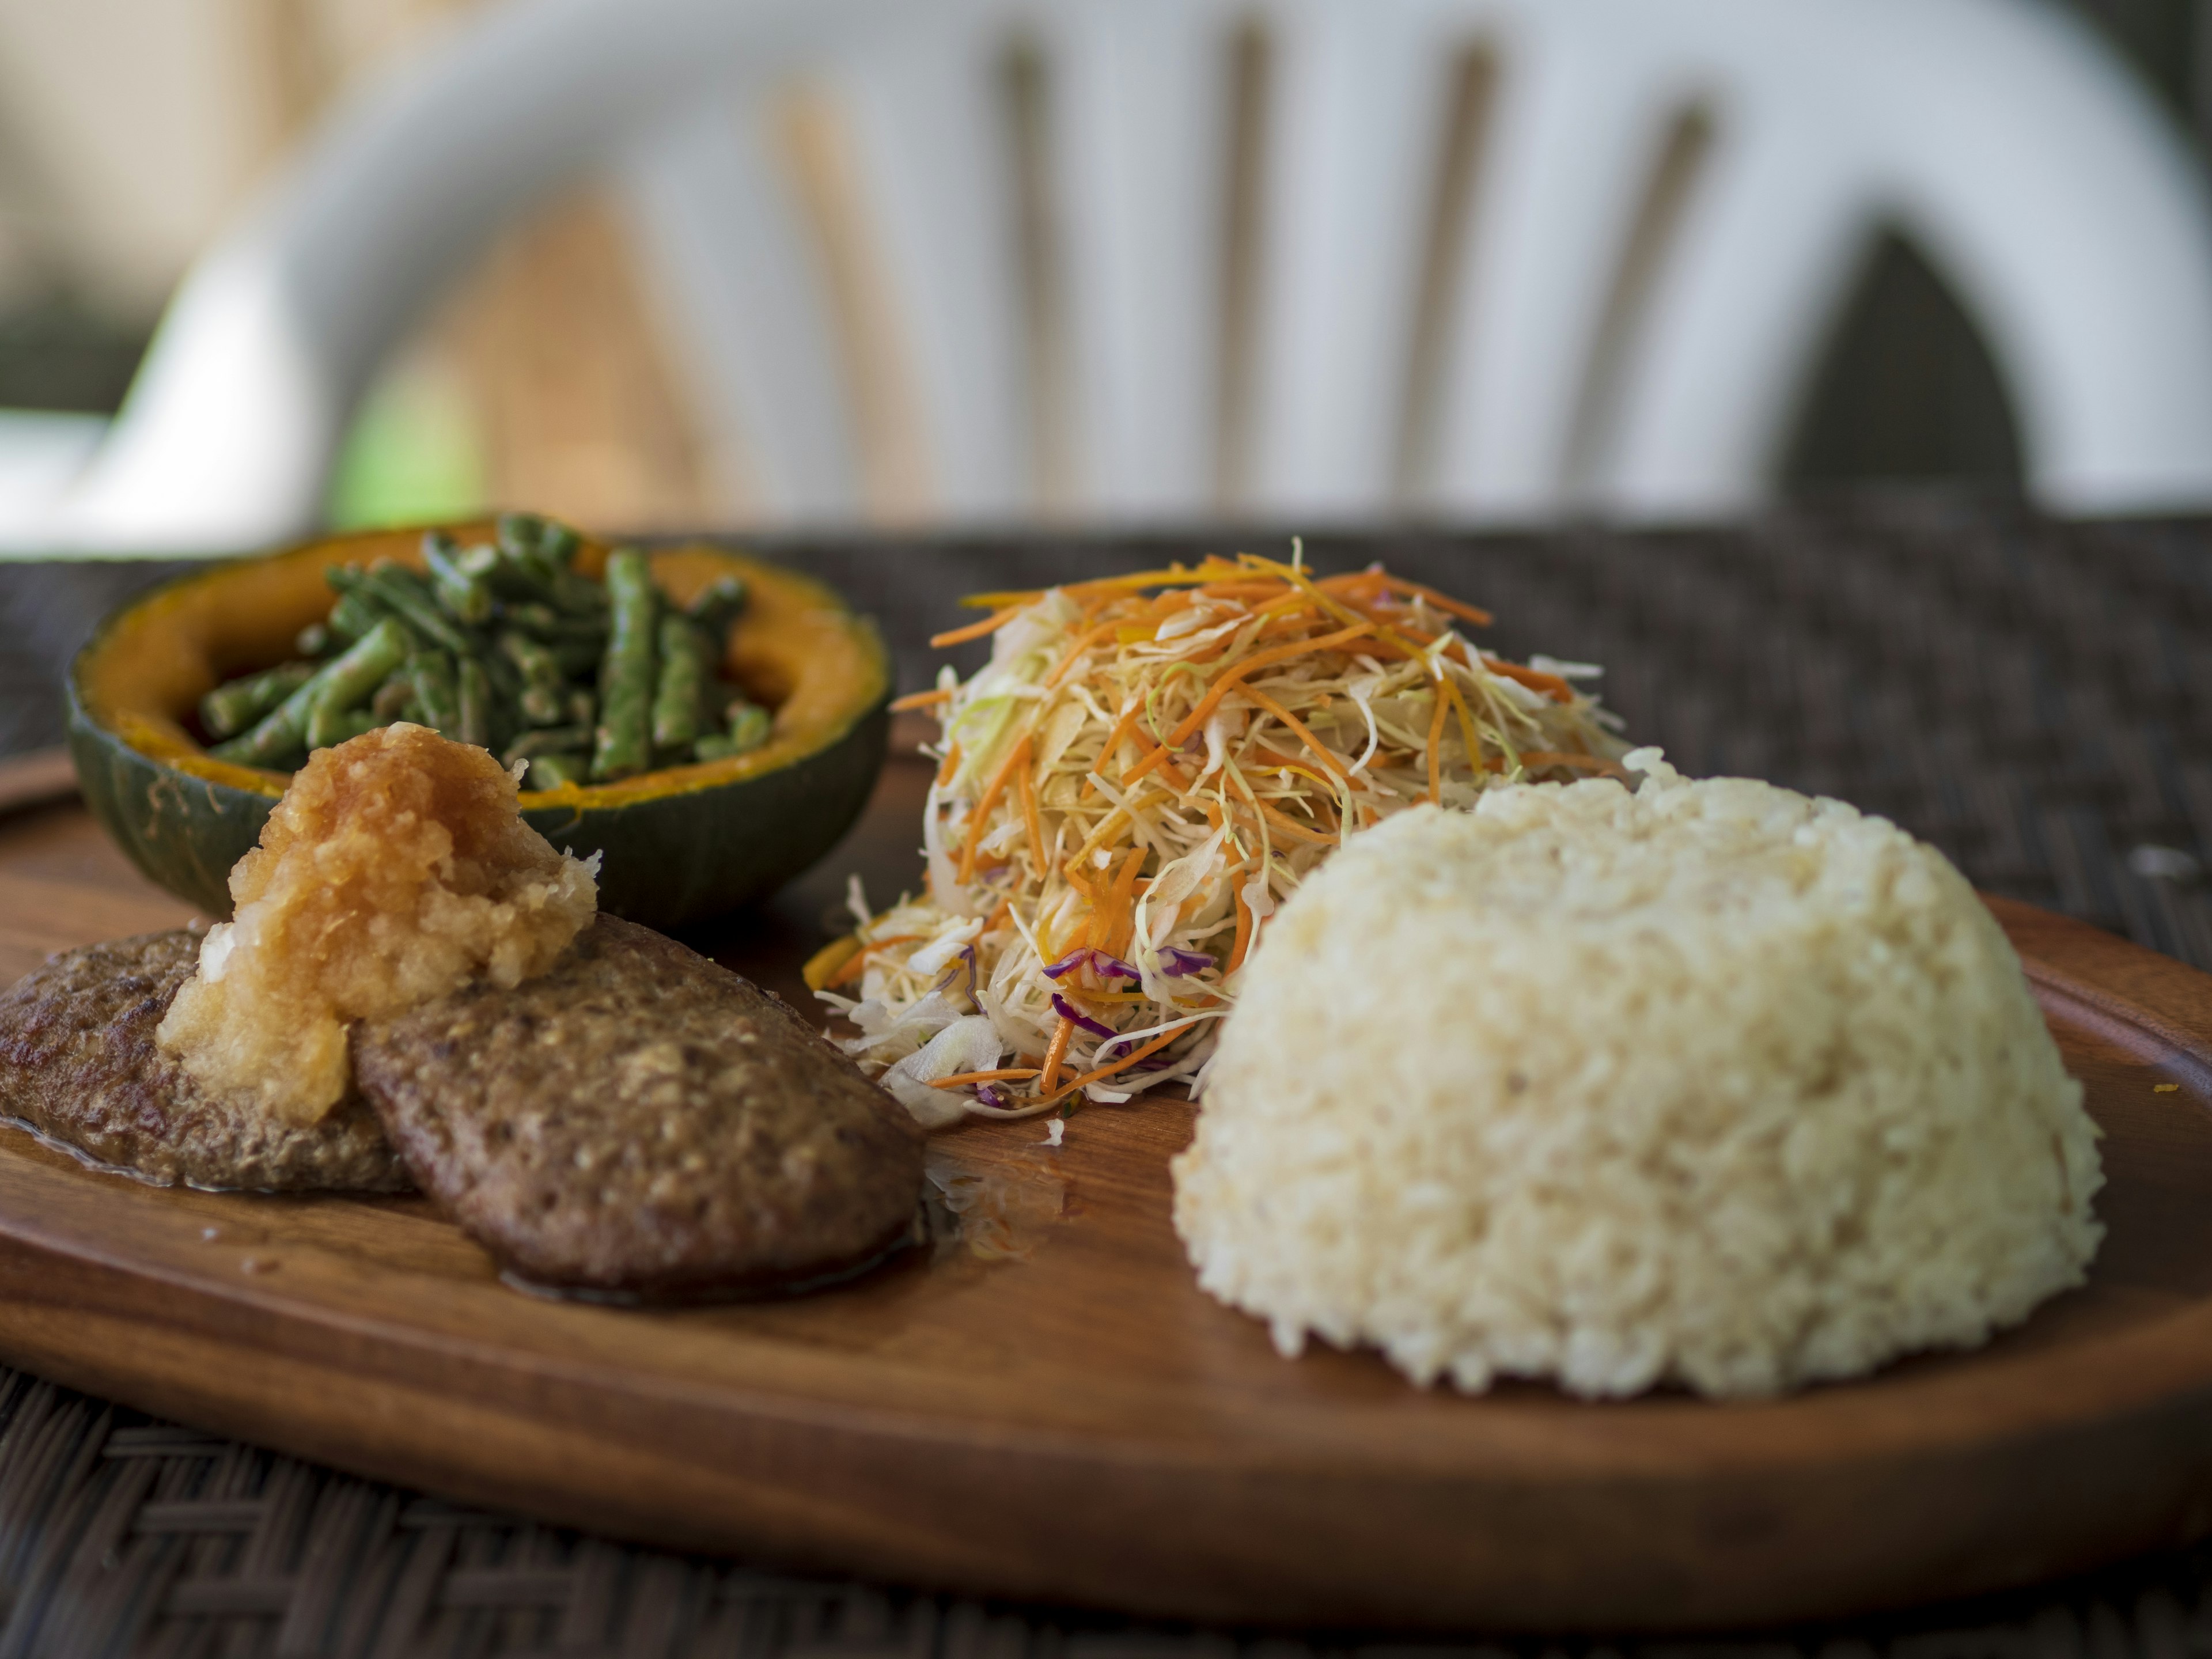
(78, 1063)
(639, 1120)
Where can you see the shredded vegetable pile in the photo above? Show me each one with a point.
(1147, 767)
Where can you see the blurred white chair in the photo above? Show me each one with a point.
(1496, 258)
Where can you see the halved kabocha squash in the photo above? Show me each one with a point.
(680, 844)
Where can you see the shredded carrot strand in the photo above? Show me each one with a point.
(1115, 739)
(1211, 569)
(1389, 642)
(859, 963)
(1081, 856)
(990, 624)
(1124, 901)
(1534, 678)
(950, 765)
(986, 801)
(1025, 781)
(1121, 1065)
(1533, 757)
(1234, 676)
(1280, 763)
(1106, 925)
(1074, 653)
(1055, 1054)
(1284, 822)
(1243, 938)
(1466, 722)
(961, 1079)
(1304, 737)
(1443, 602)
(921, 699)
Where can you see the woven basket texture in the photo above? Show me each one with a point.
(2034, 698)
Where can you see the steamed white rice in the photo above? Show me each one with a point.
(1708, 1083)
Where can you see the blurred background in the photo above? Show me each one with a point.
(133, 133)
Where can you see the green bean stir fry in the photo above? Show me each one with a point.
(506, 645)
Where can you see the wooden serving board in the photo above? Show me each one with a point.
(1083, 1424)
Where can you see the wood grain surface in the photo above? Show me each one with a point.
(1084, 1425)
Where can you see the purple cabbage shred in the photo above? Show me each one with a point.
(1178, 964)
(1068, 1010)
(952, 972)
(1104, 966)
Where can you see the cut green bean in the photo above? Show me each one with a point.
(541, 621)
(464, 598)
(583, 707)
(626, 676)
(505, 681)
(545, 549)
(353, 617)
(327, 726)
(394, 696)
(577, 596)
(541, 700)
(349, 682)
(681, 683)
(230, 708)
(714, 747)
(519, 534)
(750, 725)
(548, 740)
(556, 772)
(516, 580)
(716, 606)
(272, 743)
(347, 678)
(475, 701)
(312, 641)
(579, 658)
(401, 590)
(436, 691)
(558, 544)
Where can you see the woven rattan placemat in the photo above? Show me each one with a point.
(2034, 698)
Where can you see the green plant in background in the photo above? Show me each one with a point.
(414, 453)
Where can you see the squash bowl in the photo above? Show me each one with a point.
(680, 844)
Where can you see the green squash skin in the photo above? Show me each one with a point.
(668, 860)
(177, 829)
(673, 860)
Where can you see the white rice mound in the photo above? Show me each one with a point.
(1710, 1083)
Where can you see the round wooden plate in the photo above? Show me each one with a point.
(1085, 1426)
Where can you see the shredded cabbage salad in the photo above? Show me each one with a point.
(1147, 767)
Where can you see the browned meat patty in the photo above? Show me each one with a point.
(78, 1063)
(639, 1120)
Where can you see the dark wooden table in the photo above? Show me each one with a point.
(2034, 698)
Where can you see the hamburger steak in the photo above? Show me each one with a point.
(639, 1120)
(79, 1064)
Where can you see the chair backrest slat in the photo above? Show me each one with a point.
(732, 250)
(928, 111)
(1140, 117)
(1356, 101)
